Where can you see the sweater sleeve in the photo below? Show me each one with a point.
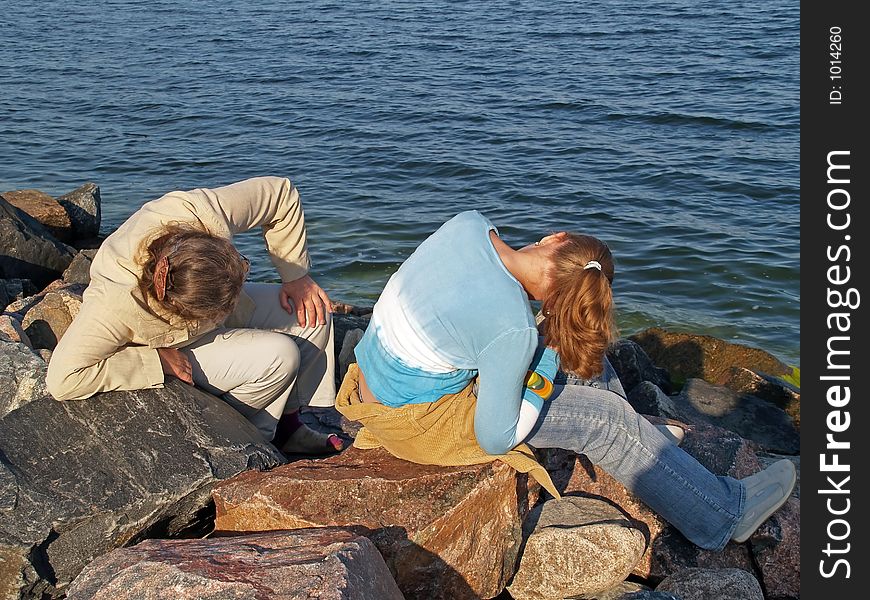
(502, 368)
(270, 203)
(94, 355)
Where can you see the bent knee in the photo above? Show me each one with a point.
(280, 352)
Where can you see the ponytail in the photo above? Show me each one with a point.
(579, 304)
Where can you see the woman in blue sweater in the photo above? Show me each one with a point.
(458, 311)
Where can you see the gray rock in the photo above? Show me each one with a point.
(649, 595)
(634, 366)
(84, 477)
(328, 563)
(28, 250)
(22, 376)
(648, 399)
(83, 207)
(346, 355)
(712, 584)
(751, 417)
(575, 546)
(79, 270)
(15, 289)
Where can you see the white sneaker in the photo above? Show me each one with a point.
(766, 491)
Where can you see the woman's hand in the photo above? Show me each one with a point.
(176, 363)
(307, 300)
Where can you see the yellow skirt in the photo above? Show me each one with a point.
(432, 433)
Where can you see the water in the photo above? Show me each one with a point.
(667, 128)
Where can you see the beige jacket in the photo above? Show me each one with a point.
(112, 342)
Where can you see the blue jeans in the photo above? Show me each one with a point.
(592, 417)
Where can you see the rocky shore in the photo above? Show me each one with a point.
(170, 493)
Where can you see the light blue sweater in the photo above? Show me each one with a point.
(453, 311)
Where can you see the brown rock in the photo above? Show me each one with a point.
(327, 563)
(444, 532)
(721, 451)
(771, 389)
(686, 355)
(10, 327)
(44, 209)
(577, 546)
(712, 584)
(47, 321)
(776, 548)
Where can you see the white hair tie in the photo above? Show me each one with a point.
(592, 264)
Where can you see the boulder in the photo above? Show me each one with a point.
(12, 331)
(751, 417)
(79, 270)
(776, 549)
(346, 356)
(325, 563)
(634, 367)
(46, 321)
(83, 206)
(772, 389)
(83, 477)
(647, 595)
(575, 546)
(444, 532)
(45, 209)
(712, 584)
(22, 375)
(15, 289)
(648, 399)
(686, 355)
(720, 451)
(619, 592)
(28, 250)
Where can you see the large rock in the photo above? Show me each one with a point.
(445, 532)
(712, 584)
(772, 389)
(575, 546)
(45, 209)
(776, 548)
(11, 329)
(79, 270)
(751, 417)
(46, 321)
(83, 206)
(326, 563)
(28, 250)
(15, 289)
(720, 451)
(686, 355)
(634, 367)
(80, 478)
(22, 376)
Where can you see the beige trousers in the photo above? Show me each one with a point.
(271, 367)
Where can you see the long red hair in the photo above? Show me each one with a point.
(579, 305)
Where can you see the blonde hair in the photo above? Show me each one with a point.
(206, 272)
(579, 305)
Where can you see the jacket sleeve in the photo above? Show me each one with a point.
(94, 356)
(271, 203)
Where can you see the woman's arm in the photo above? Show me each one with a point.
(504, 417)
(94, 355)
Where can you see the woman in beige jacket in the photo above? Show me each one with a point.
(167, 297)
